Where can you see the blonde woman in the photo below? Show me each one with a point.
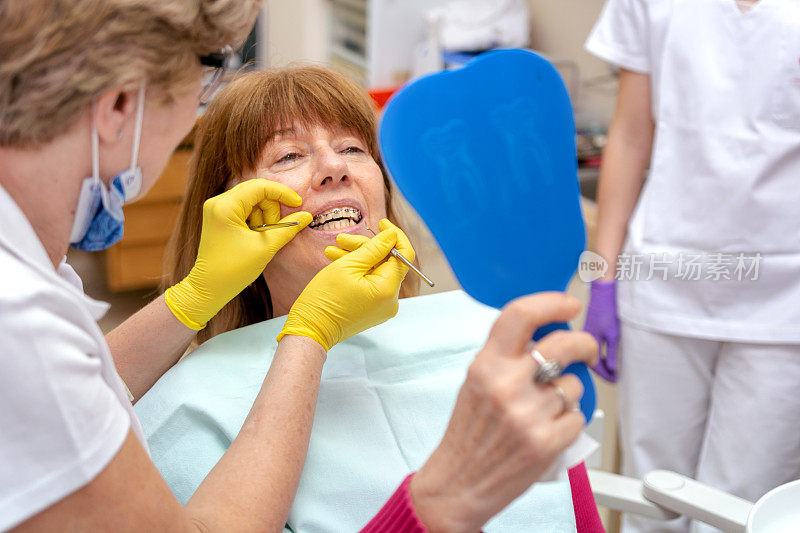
(314, 131)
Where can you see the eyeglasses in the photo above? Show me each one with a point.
(217, 64)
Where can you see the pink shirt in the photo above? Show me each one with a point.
(398, 515)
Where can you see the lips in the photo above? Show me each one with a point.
(337, 218)
(345, 215)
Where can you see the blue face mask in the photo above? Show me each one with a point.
(99, 220)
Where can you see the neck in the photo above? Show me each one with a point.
(45, 182)
(284, 288)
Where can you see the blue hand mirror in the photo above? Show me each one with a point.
(486, 155)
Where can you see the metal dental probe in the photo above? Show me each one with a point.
(265, 227)
(408, 263)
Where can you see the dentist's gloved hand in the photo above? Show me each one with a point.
(350, 242)
(602, 322)
(231, 255)
(355, 292)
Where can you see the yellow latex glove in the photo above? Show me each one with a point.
(348, 242)
(231, 255)
(355, 292)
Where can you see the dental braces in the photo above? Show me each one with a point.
(343, 210)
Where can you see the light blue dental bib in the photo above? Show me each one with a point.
(385, 399)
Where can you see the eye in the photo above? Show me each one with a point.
(291, 156)
(352, 150)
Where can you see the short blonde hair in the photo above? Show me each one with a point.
(58, 55)
(229, 141)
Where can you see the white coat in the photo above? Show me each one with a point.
(724, 186)
(64, 412)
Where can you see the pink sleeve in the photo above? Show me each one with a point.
(587, 519)
(397, 514)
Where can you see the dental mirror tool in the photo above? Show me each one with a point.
(408, 263)
(265, 227)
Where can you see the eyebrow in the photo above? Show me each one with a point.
(280, 133)
(292, 132)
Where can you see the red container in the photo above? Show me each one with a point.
(381, 96)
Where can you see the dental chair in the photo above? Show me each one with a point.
(664, 495)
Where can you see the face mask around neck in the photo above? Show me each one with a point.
(99, 220)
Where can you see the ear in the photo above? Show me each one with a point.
(114, 113)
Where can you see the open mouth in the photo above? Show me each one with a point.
(335, 219)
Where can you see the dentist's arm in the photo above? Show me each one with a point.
(147, 344)
(625, 160)
(229, 258)
(252, 487)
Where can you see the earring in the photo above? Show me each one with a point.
(119, 135)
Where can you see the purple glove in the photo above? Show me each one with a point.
(603, 324)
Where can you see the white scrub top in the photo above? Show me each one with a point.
(724, 186)
(64, 412)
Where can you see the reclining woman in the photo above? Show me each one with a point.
(387, 393)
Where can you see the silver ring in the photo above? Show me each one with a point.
(547, 371)
(563, 396)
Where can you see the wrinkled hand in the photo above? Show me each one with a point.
(603, 323)
(506, 430)
(357, 291)
(231, 255)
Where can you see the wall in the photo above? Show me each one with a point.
(297, 30)
(559, 29)
(300, 30)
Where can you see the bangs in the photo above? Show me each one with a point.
(263, 103)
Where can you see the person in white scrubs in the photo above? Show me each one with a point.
(706, 250)
(94, 97)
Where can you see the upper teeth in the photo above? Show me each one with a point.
(336, 213)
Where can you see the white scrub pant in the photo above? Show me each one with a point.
(724, 413)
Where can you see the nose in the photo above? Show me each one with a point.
(332, 169)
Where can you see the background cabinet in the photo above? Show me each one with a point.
(136, 262)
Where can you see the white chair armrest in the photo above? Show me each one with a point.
(696, 500)
(625, 494)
